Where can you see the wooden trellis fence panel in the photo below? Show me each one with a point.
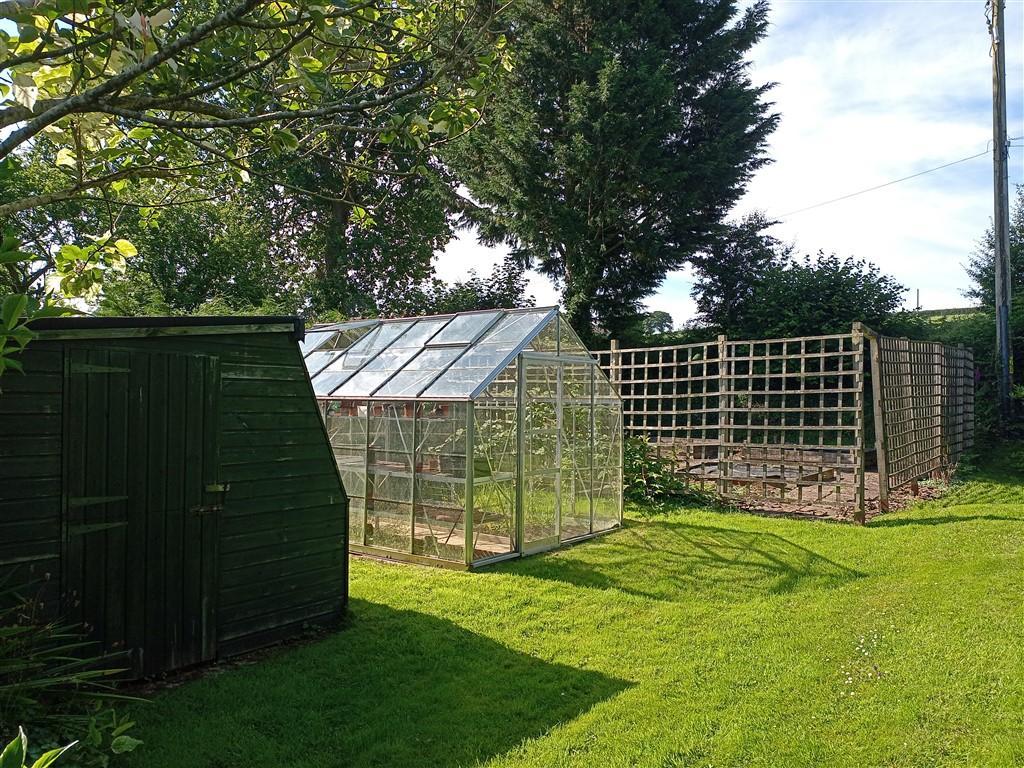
(926, 408)
(783, 420)
(777, 420)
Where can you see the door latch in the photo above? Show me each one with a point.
(206, 509)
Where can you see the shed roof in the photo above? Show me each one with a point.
(85, 326)
(436, 357)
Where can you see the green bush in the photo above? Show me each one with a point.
(53, 682)
(977, 331)
(651, 482)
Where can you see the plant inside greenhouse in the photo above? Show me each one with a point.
(469, 438)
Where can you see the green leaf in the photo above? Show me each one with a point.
(14, 257)
(123, 744)
(13, 755)
(10, 312)
(288, 140)
(21, 335)
(125, 248)
(71, 252)
(66, 157)
(50, 757)
(124, 727)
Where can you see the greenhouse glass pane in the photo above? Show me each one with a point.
(457, 383)
(388, 361)
(345, 421)
(419, 371)
(607, 434)
(494, 528)
(541, 451)
(472, 369)
(464, 328)
(421, 333)
(469, 371)
(607, 498)
(547, 339)
(540, 511)
(336, 337)
(440, 461)
(496, 420)
(568, 342)
(576, 454)
(484, 356)
(574, 505)
(389, 478)
(380, 337)
(607, 490)
(339, 370)
(515, 327)
(320, 359)
(356, 520)
(313, 340)
(495, 466)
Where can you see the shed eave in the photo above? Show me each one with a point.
(69, 328)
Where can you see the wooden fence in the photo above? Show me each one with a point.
(926, 409)
(781, 422)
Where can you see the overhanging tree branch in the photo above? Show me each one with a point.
(117, 82)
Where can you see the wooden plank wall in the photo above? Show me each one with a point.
(283, 530)
(30, 477)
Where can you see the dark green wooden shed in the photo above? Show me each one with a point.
(168, 483)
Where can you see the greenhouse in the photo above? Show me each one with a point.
(469, 438)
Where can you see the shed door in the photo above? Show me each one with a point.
(140, 464)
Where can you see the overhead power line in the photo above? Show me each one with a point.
(882, 186)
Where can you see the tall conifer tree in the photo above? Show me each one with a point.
(624, 134)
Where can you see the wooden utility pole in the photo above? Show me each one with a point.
(1001, 218)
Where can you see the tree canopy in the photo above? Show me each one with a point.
(194, 92)
(127, 105)
(750, 285)
(981, 266)
(617, 144)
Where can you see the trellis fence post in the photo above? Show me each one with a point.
(881, 438)
(724, 414)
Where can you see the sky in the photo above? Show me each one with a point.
(869, 91)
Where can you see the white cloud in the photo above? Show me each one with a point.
(464, 254)
(869, 92)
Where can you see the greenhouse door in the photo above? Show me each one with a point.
(557, 450)
(541, 383)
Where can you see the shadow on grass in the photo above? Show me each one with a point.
(883, 522)
(390, 688)
(678, 562)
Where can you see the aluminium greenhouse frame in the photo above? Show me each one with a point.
(517, 379)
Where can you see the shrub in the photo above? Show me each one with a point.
(650, 479)
(53, 682)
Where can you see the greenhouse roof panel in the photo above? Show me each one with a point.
(450, 356)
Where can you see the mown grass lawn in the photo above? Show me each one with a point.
(696, 638)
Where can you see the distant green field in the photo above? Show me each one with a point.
(694, 638)
(936, 315)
